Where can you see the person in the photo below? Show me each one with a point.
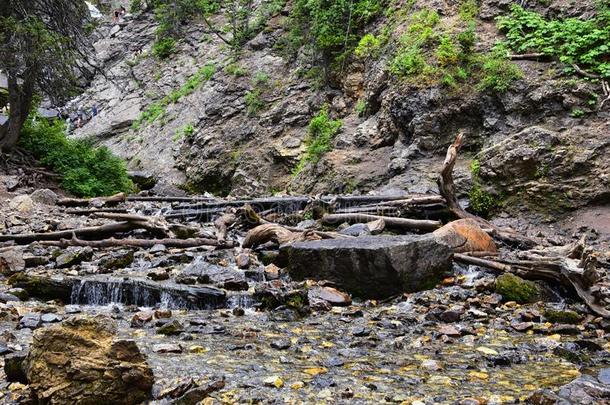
(115, 16)
(123, 11)
(93, 110)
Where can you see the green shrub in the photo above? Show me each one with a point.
(135, 6)
(408, 62)
(556, 316)
(585, 42)
(369, 47)
(481, 202)
(86, 171)
(184, 132)
(446, 52)
(234, 69)
(164, 48)
(577, 113)
(254, 103)
(321, 130)
(468, 10)
(361, 107)
(497, 72)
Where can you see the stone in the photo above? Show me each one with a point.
(171, 328)
(7, 297)
(139, 319)
(158, 275)
(604, 376)
(566, 317)
(117, 260)
(431, 365)
(30, 321)
(14, 367)
(73, 256)
(272, 272)
(328, 294)
(11, 261)
(50, 318)
(157, 248)
(514, 288)
(449, 330)
(196, 395)
(371, 266)
(280, 344)
(44, 196)
(356, 230)
(361, 331)
(235, 285)
(22, 204)
(243, 260)
(144, 180)
(19, 293)
(465, 235)
(167, 348)
(82, 361)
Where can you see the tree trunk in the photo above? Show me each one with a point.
(20, 99)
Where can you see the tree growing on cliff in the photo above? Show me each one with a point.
(41, 43)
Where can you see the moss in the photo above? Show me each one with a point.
(555, 316)
(514, 288)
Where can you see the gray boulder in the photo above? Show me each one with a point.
(371, 267)
(44, 196)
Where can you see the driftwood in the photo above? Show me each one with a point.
(278, 234)
(89, 211)
(95, 202)
(222, 225)
(447, 190)
(524, 56)
(141, 243)
(390, 222)
(576, 270)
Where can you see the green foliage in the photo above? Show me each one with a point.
(446, 52)
(497, 72)
(468, 10)
(577, 113)
(157, 109)
(164, 47)
(565, 317)
(361, 107)
(254, 103)
(408, 62)
(369, 47)
(571, 40)
(481, 202)
(475, 168)
(322, 130)
(186, 131)
(86, 171)
(261, 79)
(234, 69)
(135, 6)
(514, 288)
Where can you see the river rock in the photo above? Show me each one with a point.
(171, 328)
(44, 196)
(73, 257)
(328, 294)
(22, 203)
(465, 235)
(81, 361)
(371, 266)
(30, 321)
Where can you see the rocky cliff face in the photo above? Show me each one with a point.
(528, 141)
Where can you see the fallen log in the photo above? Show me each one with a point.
(269, 233)
(96, 211)
(97, 202)
(391, 222)
(140, 243)
(93, 231)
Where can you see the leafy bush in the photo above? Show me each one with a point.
(86, 171)
(468, 10)
(481, 202)
(498, 72)
(164, 47)
(184, 132)
(135, 6)
(234, 69)
(368, 47)
(446, 52)
(322, 130)
(571, 40)
(254, 103)
(407, 62)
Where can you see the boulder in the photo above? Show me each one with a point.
(44, 196)
(328, 294)
(465, 235)
(74, 256)
(514, 288)
(11, 261)
(82, 361)
(371, 266)
(22, 203)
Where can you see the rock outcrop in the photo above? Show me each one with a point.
(371, 267)
(81, 362)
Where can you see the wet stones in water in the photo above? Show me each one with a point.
(565, 317)
(371, 267)
(238, 311)
(157, 248)
(198, 394)
(19, 293)
(451, 315)
(117, 367)
(235, 285)
(280, 344)
(141, 318)
(171, 328)
(73, 257)
(565, 329)
(167, 348)
(449, 330)
(159, 275)
(117, 260)
(243, 260)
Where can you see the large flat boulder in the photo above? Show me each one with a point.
(81, 361)
(371, 266)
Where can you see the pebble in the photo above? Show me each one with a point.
(361, 331)
(167, 348)
(280, 344)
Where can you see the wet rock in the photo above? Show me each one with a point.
(565, 317)
(281, 344)
(81, 361)
(7, 297)
(465, 235)
(14, 367)
(449, 330)
(198, 394)
(50, 318)
(238, 311)
(141, 318)
(369, 266)
(11, 261)
(163, 314)
(243, 260)
(73, 257)
(361, 331)
(451, 315)
(144, 180)
(328, 294)
(585, 390)
(171, 328)
(272, 272)
(571, 352)
(157, 248)
(356, 230)
(167, 348)
(514, 288)
(44, 196)
(565, 329)
(158, 275)
(431, 365)
(30, 321)
(19, 293)
(236, 285)
(522, 326)
(604, 376)
(117, 260)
